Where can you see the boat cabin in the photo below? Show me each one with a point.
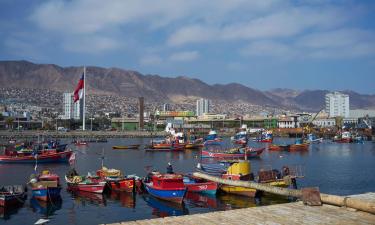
(167, 181)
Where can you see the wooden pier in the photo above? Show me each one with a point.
(288, 213)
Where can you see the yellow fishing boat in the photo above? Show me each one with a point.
(239, 171)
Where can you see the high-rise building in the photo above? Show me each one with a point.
(72, 110)
(203, 106)
(337, 104)
(141, 112)
(166, 107)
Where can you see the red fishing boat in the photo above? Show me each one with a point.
(168, 187)
(278, 147)
(84, 183)
(12, 195)
(298, 147)
(195, 184)
(44, 156)
(118, 182)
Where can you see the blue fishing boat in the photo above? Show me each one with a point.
(45, 186)
(169, 187)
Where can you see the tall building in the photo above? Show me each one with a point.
(166, 107)
(72, 110)
(337, 104)
(203, 106)
(141, 112)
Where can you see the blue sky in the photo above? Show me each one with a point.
(264, 44)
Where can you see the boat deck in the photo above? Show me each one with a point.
(289, 213)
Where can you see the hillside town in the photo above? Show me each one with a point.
(25, 109)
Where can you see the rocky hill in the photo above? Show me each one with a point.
(114, 81)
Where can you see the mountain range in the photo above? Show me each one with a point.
(114, 81)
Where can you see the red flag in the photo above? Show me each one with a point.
(78, 92)
(72, 158)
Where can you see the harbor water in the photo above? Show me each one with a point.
(341, 169)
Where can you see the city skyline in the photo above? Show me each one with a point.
(261, 44)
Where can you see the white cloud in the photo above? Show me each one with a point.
(269, 48)
(151, 60)
(184, 56)
(91, 44)
(281, 24)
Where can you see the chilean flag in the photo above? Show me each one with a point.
(78, 92)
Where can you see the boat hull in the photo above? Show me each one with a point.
(249, 192)
(204, 188)
(298, 147)
(43, 158)
(92, 188)
(249, 154)
(46, 194)
(11, 200)
(172, 195)
(125, 147)
(125, 185)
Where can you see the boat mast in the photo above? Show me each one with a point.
(84, 99)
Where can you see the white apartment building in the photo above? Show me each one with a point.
(72, 110)
(203, 106)
(337, 104)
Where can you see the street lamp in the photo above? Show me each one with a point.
(92, 118)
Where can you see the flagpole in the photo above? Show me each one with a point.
(84, 99)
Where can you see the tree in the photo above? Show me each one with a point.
(9, 122)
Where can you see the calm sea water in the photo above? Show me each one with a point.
(341, 169)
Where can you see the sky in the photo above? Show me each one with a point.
(263, 44)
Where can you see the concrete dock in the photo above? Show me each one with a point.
(289, 213)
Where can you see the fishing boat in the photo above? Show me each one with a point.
(45, 186)
(168, 187)
(240, 170)
(116, 181)
(195, 184)
(298, 146)
(44, 156)
(266, 137)
(80, 143)
(88, 183)
(171, 148)
(275, 147)
(212, 137)
(121, 147)
(12, 195)
(240, 137)
(345, 137)
(165, 144)
(312, 138)
(219, 151)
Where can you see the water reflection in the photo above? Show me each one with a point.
(83, 198)
(127, 200)
(162, 208)
(6, 213)
(46, 208)
(201, 200)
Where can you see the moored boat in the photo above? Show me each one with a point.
(116, 181)
(219, 151)
(45, 186)
(169, 187)
(12, 195)
(84, 183)
(45, 156)
(312, 138)
(195, 184)
(119, 147)
(345, 137)
(298, 147)
(275, 147)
